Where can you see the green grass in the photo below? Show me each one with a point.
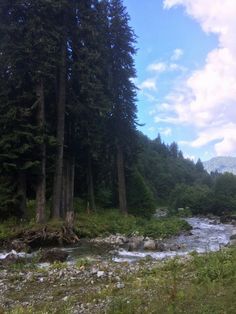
(203, 284)
(112, 222)
(103, 223)
(207, 284)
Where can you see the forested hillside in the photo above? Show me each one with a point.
(68, 115)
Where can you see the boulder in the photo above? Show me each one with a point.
(160, 247)
(149, 245)
(135, 243)
(120, 240)
(53, 255)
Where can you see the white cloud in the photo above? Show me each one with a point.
(224, 139)
(160, 67)
(207, 99)
(177, 54)
(157, 67)
(165, 131)
(176, 67)
(149, 84)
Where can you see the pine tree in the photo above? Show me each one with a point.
(60, 110)
(93, 54)
(123, 114)
(19, 134)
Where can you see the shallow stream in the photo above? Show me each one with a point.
(206, 235)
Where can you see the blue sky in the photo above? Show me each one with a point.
(185, 71)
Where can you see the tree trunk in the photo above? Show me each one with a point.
(41, 182)
(70, 196)
(58, 176)
(91, 197)
(64, 195)
(121, 180)
(21, 191)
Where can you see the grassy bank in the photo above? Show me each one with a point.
(199, 284)
(112, 222)
(103, 223)
(207, 284)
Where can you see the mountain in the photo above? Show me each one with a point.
(221, 164)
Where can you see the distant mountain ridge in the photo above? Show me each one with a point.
(221, 164)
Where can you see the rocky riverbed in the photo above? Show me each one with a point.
(66, 288)
(95, 269)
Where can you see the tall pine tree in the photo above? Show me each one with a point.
(123, 91)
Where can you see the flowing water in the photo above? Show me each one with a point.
(206, 235)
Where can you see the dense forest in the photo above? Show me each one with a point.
(68, 119)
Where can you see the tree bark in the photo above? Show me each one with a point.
(58, 176)
(64, 190)
(70, 196)
(41, 182)
(91, 197)
(21, 191)
(121, 180)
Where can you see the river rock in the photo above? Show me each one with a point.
(174, 247)
(120, 285)
(135, 243)
(149, 245)
(100, 273)
(53, 255)
(160, 247)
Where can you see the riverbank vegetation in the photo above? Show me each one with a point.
(197, 284)
(99, 224)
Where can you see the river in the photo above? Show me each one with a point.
(206, 235)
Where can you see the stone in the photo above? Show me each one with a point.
(160, 247)
(120, 240)
(53, 255)
(134, 243)
(65, 298)
(94, 270)
(120, 285)
(149, 245)
(100, 273)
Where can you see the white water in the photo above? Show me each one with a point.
(206, 236)
(4, 254)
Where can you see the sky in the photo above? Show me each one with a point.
(186, 73)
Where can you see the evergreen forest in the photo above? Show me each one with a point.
(68, 120)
